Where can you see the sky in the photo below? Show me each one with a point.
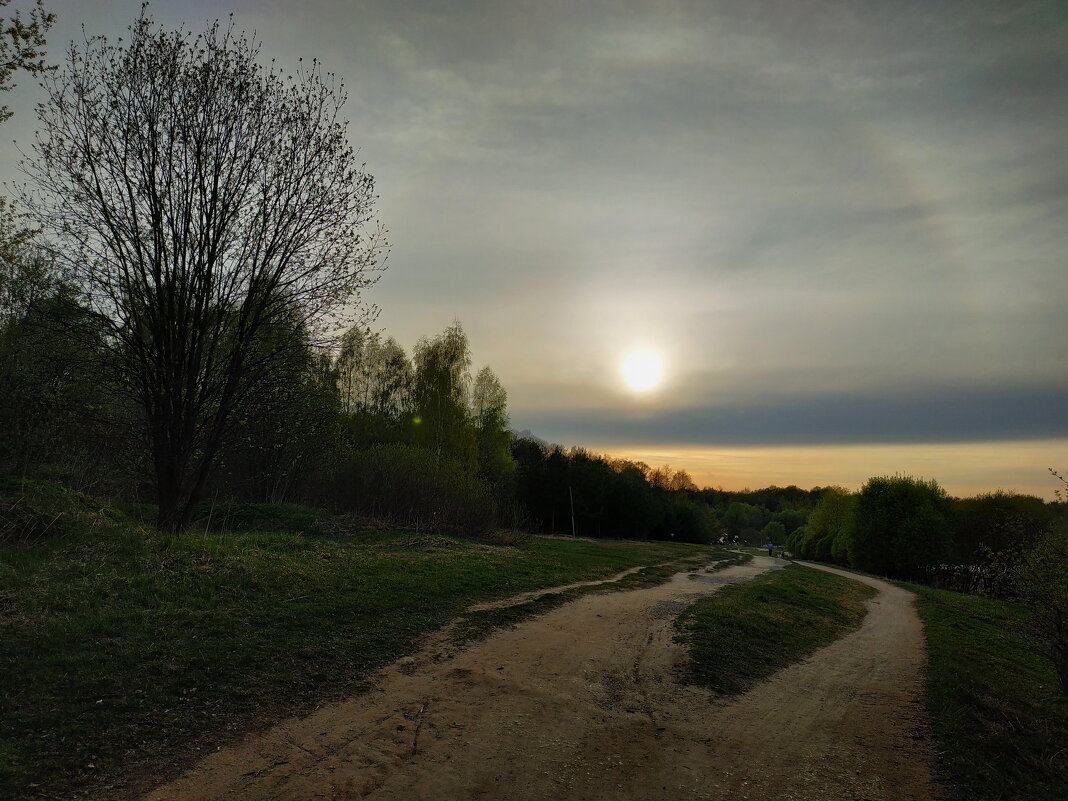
(841, 226)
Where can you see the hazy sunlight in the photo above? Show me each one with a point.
(641, 370)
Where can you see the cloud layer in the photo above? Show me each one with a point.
(837, 222)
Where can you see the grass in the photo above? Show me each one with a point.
(771, 622)
(125, 653)
(474, 626)
(995, 710)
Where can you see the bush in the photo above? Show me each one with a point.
(992, 531)
(900, 527)
(404, 485)
(1041, 582)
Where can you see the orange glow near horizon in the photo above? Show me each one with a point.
(964, 469)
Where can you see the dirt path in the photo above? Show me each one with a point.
(581, 704)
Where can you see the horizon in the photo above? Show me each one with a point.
(838, 232)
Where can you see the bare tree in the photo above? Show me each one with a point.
(22, 41)
(200, 197)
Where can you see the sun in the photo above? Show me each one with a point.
(641, 370)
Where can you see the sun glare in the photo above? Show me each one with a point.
(641, 370)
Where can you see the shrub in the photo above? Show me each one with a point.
(1041, 582)
(991, 532)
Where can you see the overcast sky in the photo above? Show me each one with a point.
(842, 225)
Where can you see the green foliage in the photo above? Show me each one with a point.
(774, 532)
(771, 622)
(900, 527)
(745, 521)
(610, 497)
(793, 540)
(688, 520)
(825, 536)
(998, 521)
(22, 42)
(1002, 727)
(1041, 583)
(55, 401)
(424, 416)
(489, 411)
(439, 396)
(790, 518)
(405, 485)
(375, 384)
(991, 533)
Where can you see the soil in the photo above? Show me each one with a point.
(583, 703)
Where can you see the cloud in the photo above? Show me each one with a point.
(949, 413)
(840, 222)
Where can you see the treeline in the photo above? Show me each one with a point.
(362, 428)
(575, 491)
(165, 319)
(419, 441)
(911, 529)
(1001, 544)
(606, 496)
(758, 517)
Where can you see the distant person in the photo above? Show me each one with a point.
(771, 547)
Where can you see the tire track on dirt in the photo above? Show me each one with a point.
(582, 703)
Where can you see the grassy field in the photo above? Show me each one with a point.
(770, 622)
(1001, 726)
(124, 652)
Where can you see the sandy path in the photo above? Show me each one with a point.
(847, 723)
(580, 703)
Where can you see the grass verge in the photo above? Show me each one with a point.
(1001, 726)
(769, 623)
(126, 654)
